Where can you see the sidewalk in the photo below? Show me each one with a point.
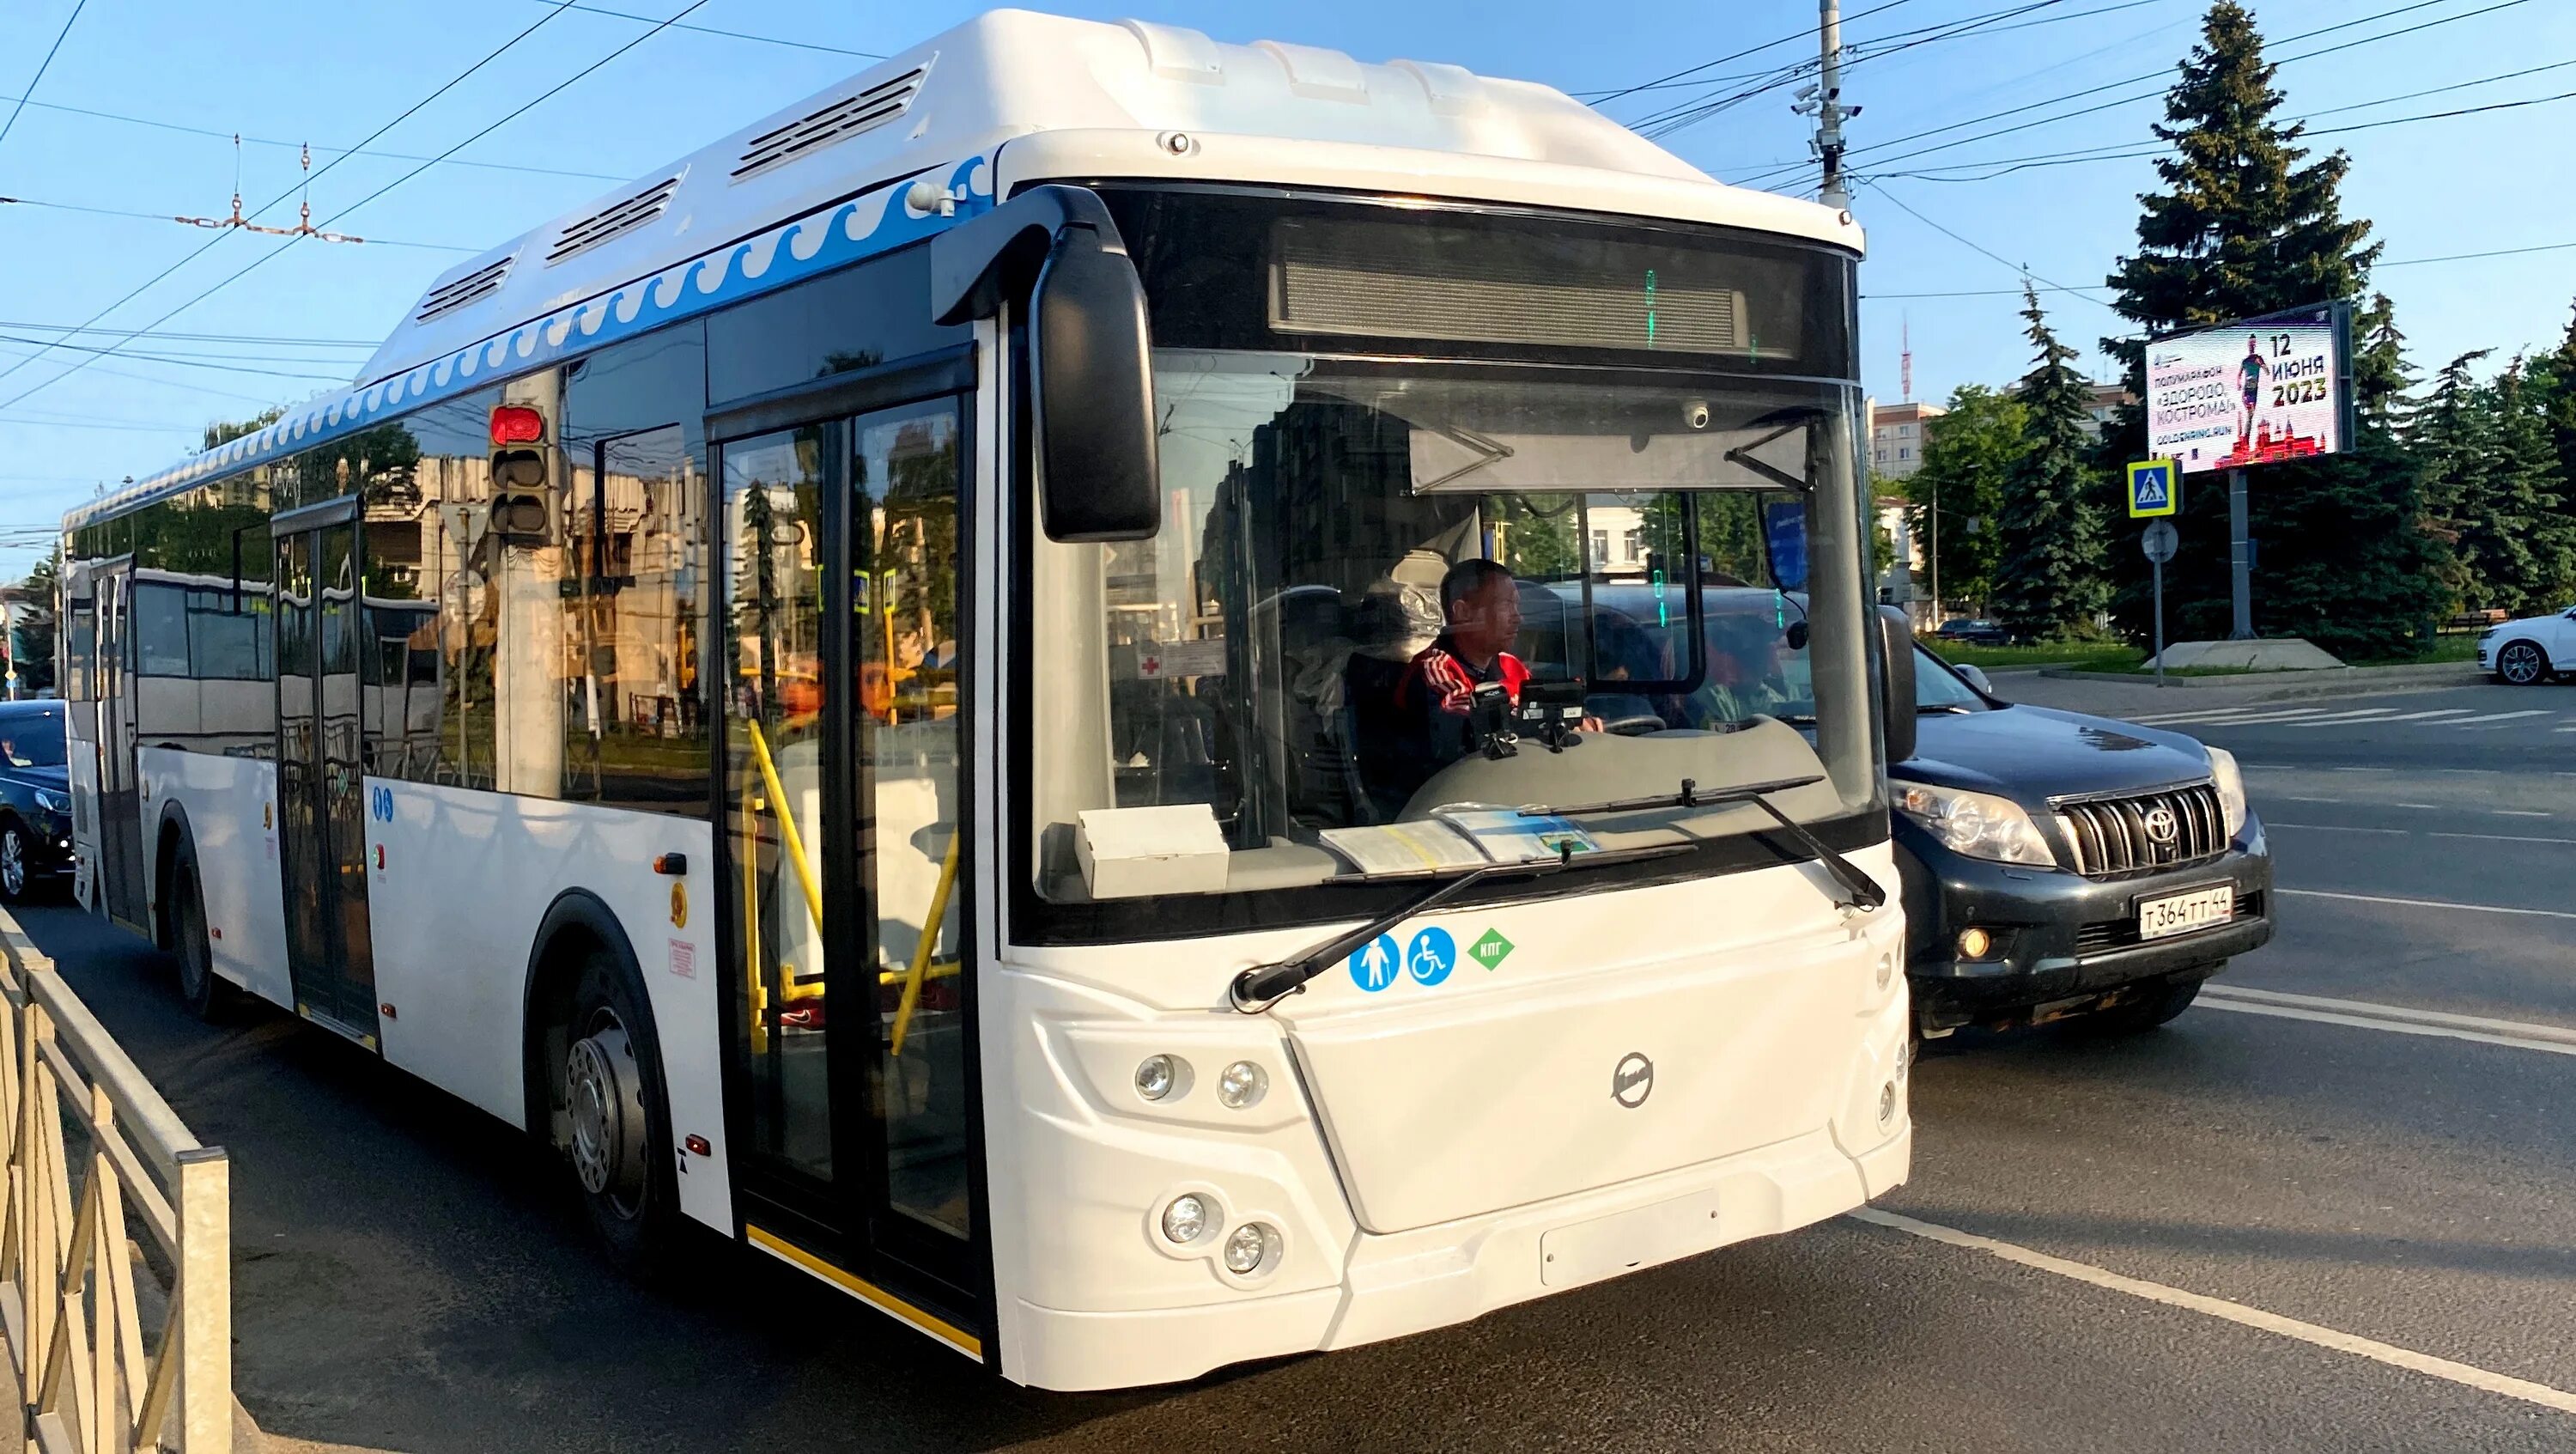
(2118, 695)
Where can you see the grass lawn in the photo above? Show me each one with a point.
(2444, 648)
(2084, 655)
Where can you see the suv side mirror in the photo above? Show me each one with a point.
(1976, 677)
(1896, 680)
(1091, 380)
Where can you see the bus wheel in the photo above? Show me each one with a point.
(617, 1128)
(201, 989)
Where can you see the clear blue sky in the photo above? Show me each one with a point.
(297, 70)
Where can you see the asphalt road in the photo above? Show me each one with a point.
(2248, 1231)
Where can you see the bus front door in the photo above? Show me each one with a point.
(321, 787)
(120, 799)
(849, 876)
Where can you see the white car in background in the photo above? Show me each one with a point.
(2530, 651)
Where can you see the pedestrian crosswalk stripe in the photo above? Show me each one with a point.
(2204, 714)
(2258, 717)
(2496, 717)
(2345, 719)
(2426, 716)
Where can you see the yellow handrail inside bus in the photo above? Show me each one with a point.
(787, 833)
(929, 939)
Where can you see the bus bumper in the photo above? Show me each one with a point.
(1433, 1277)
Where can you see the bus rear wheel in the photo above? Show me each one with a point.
(201, 989)
(617, 1130)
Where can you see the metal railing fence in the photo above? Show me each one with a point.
(91, 1150)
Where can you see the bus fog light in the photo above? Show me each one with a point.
(1886, 969)
(1887, 1103)
(1975, 943)
(1243, 1084)
(1158, 1076)
(1250, 1249)
(1186, 1218)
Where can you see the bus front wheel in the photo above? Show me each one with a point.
(617, 1132)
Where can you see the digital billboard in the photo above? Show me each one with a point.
(2257, 392)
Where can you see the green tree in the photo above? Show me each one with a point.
(2246, 225)
(2452, 442)
(1957, 496)
(2050, 581)
(225, 431)
(2553, 381)
(31, 635)
(2528, 499)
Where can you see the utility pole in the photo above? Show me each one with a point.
(1829, 107)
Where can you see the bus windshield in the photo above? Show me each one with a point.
(1353, 545)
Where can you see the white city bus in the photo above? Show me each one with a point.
(923, 767)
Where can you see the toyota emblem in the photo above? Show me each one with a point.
(1632, 1081)
(2162, 827)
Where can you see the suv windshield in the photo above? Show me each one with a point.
(1373, 575)
(31, 739)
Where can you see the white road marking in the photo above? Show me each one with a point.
(2520, 812)
(2445, 712)
(2496, 717)
(2205, 712)
(2403, 832)
(2337, 828)
(2315, 1334)
(2338, 719)
(2500, 837)
(2376, 1022)
(2561, 1038)
(2424, 903)
(2257, 718)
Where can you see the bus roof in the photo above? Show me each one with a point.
(814, 185)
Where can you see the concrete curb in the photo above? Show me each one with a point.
(2317, 682)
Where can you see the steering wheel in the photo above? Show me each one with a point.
(1633, 726)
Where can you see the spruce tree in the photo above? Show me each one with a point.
(2247, 225)
(2051, 580)
(2452, 441)
(2553, 379)
(2538, 561)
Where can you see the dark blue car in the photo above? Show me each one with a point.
(35, 799)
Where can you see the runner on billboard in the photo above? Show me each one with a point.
(2251, 371)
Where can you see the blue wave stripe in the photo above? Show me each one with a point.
(836, 236)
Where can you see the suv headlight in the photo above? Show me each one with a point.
(2231, 789)
(53, 802)
(1979, 825)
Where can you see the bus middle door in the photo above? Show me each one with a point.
(321, 784)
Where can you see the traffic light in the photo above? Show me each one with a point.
(522, 477)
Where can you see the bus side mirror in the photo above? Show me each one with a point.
(1091, 380)
(1896, 680)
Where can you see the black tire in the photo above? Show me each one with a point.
(2154, 1007)
(202, 990)
(2522, 663)
(618, 1122)
(17, 866)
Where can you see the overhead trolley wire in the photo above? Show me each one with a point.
(174, 217)
(1797, 35)
(2123, 151)
(42, 66)
(2160, 75)
(505, 119)
(317, 146)
(713, 30)
(218, 239)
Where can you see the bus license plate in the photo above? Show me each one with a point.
(2182, 913)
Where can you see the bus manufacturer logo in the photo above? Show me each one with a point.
(1632, 1081)
(2162, 827)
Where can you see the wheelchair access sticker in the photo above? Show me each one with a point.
(1426, 959)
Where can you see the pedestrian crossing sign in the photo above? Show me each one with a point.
(2154, 488)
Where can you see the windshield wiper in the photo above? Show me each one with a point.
(1258, 988)
(1860, 891)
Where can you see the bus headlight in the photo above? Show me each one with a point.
(1186, 1219)
(2230, 782)
(1978, 825)
(1250, 1249)
(1158, 1076)
(1242, 1085)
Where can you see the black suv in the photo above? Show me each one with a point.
(2057, 864)
(35, 799)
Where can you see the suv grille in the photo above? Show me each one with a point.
(2150, 830)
